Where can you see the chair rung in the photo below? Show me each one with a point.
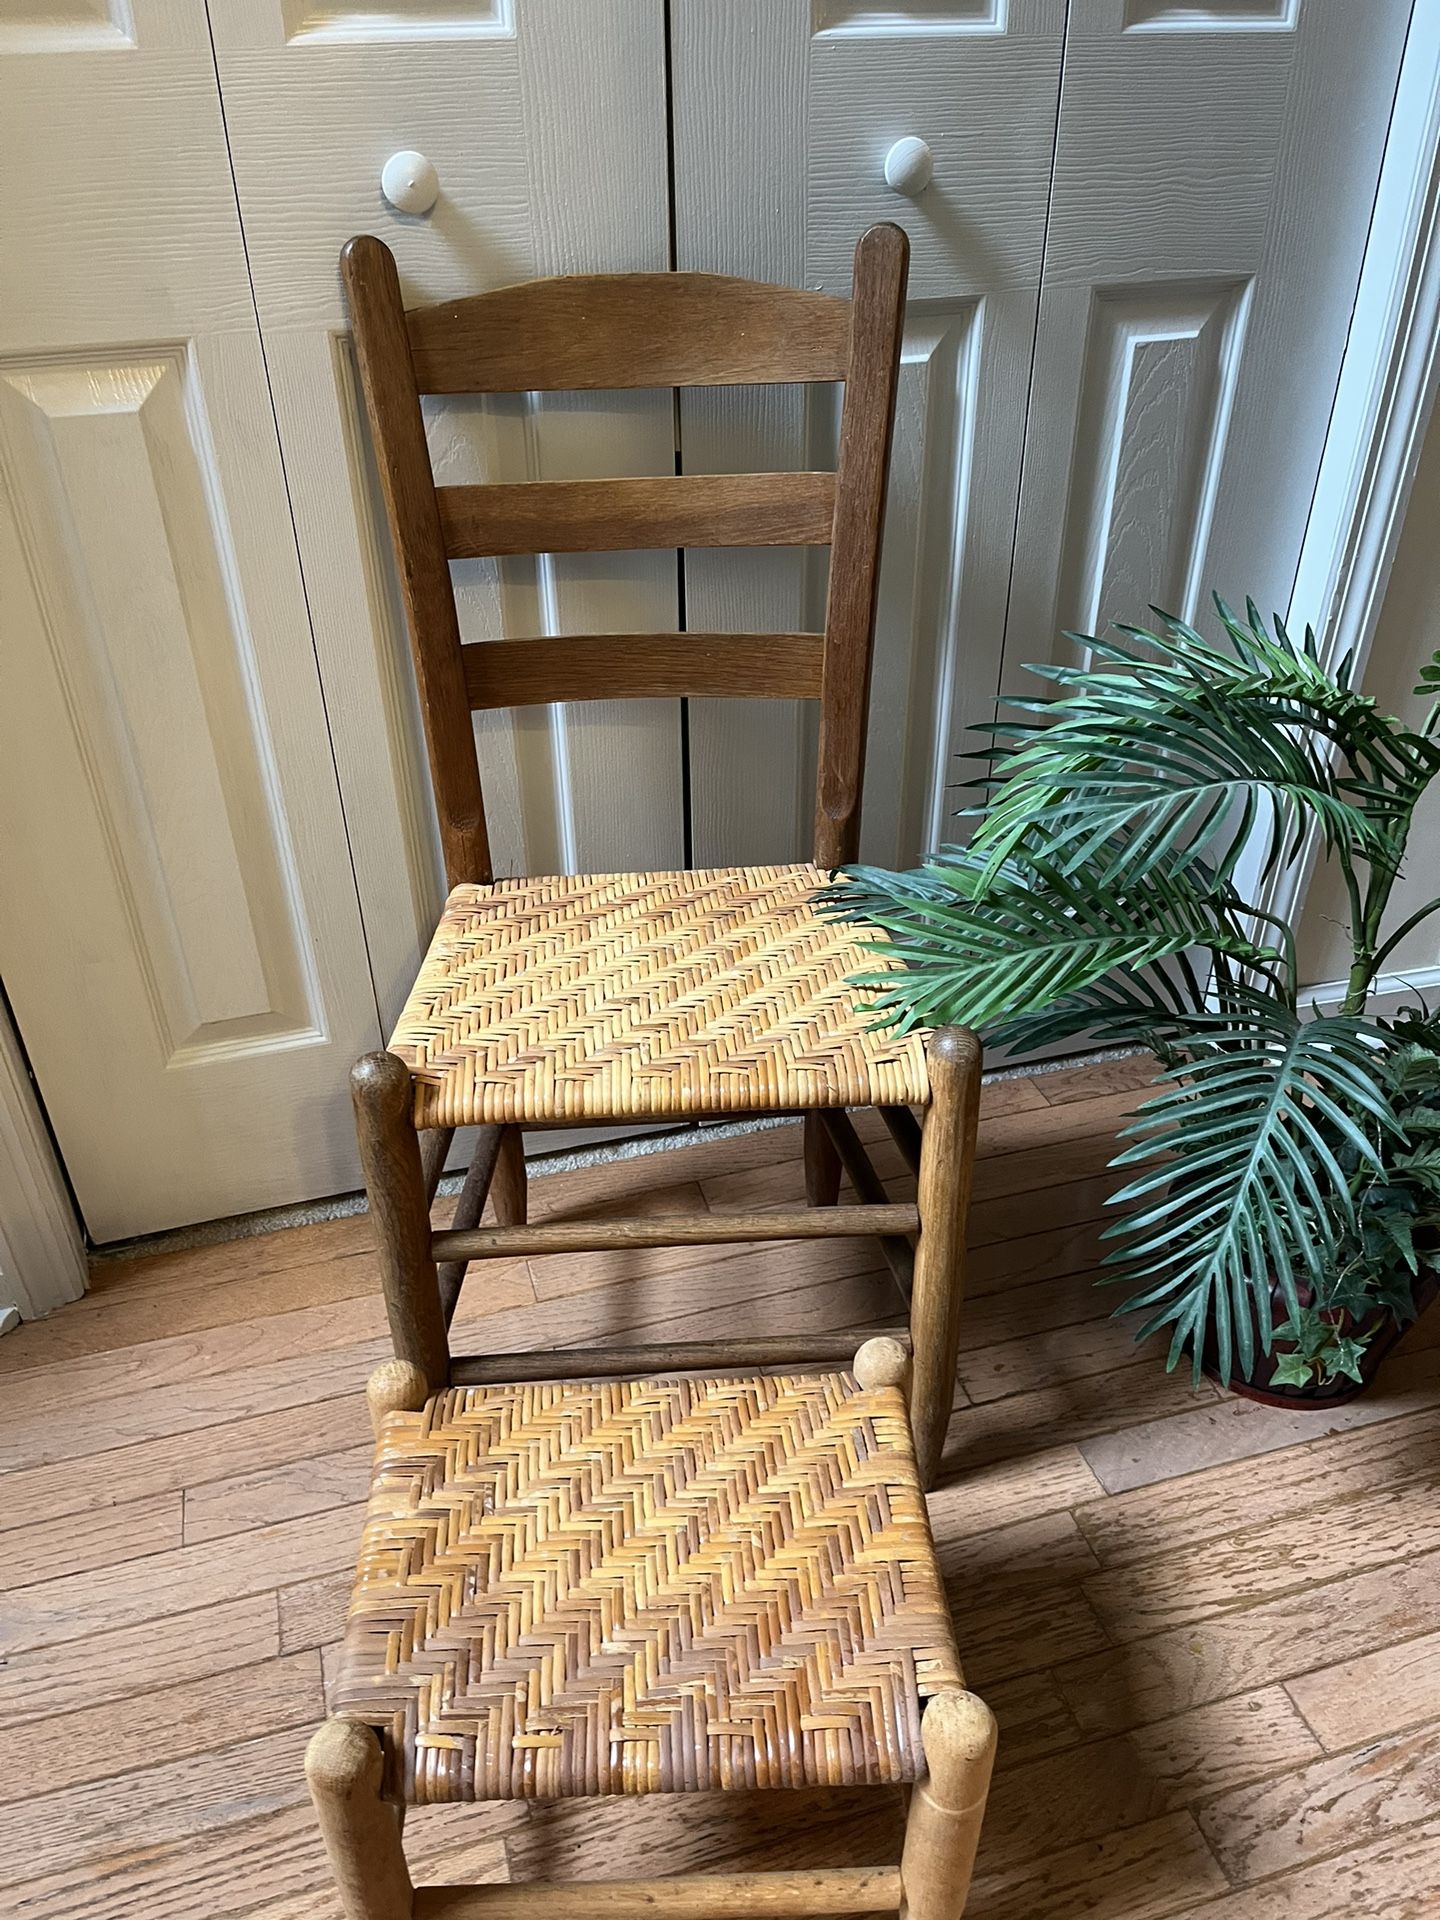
(674, 1230)
(694, 1356)
(718, 1896)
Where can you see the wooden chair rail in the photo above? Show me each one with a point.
(607, 516)
(674, 1230)
(728, 1896)
(642, 666)
(694, 1356)
(585, 331)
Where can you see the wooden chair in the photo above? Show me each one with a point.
(630, 1570)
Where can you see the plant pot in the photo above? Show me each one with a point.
(1336, 1393)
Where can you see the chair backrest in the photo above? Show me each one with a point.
(634, 330)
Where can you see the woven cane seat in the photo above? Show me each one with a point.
(646, 1586)
(614, 996)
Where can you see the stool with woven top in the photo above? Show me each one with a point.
(630, 1570)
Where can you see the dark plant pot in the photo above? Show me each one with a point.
(1337, 1393)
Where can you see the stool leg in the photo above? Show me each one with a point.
(947, 1163)
(942, 1829)
(361, 1831)
(507, 1184)
(822, 1163)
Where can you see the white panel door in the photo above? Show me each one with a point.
(784, 112)
(180, 939)
(1214, 176)
(545, 121)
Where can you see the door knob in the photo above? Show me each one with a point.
(409, 182)
(908, 166)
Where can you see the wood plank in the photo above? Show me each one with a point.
(120, 1662)
(80, 1604)
(254, 1343)
(998, 1495)
(154, 1806)
(1144, 1873)
(1069, 1412)
(1341, 1799)
(1184, 1586)
(259, 1498)
(1239, 1652)
(1106, 1786)
(152, 1728)
(606, 516)
(184, 1460)
(1392, 1879)
(1376, 1693)
(129, 1531)
(1088, 1079)
(1175, 1514)
(1039, 1357)
(1240, 1430)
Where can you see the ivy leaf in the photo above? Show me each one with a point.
(1344, 1357)
(1292, 1370)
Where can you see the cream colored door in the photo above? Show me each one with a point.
(545, 123)
(785, 112)
(179, 933)
(1214, 178)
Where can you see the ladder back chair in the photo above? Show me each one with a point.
(627, 1569)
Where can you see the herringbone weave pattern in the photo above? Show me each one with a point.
(646, 1585)
(615, 996)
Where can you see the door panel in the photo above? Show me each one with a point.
(181, 942)
(546, 124)
(784, 111)
(1199, 279)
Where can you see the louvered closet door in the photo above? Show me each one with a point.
(1214, 176)
(784, 113)
(179, 935)
(545, 122)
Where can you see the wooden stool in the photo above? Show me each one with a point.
(658, 1585)
(627, 1570)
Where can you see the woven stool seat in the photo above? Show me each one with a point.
(613, 996)
(646, 1586)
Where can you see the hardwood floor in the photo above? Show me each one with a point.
(1211, 1632)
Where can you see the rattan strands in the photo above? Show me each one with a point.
(617, 996)
(646, 1586)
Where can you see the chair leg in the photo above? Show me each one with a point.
(947, 1163)
(400, 1213)
(507, 1185)
(822, 1163)
(942, 1829)
(361, 1831)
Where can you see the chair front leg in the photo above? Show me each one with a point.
(380, 1088)
(947, 1164)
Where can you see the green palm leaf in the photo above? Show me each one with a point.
(1243, 1184)
(976, 944)
(1171, 751)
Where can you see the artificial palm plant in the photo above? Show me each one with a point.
(1283, 1184)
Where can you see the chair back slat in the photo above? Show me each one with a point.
(596, 331)
(643, 666)
(673, 510)
(585, 331)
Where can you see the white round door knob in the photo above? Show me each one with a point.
(409, 182)
(908, 166)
